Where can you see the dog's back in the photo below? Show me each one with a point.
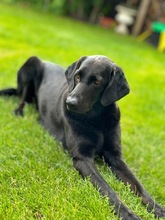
(51, 98)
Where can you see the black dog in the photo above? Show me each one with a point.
(77, 106)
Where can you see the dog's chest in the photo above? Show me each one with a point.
(87, 136)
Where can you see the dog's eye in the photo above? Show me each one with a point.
(97, 82)
(77, 78)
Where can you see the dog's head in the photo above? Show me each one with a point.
(94, 79)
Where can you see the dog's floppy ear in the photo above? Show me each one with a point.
(116, 89)
(69, 73)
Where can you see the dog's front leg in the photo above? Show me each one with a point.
(87, 168)
(119, 167)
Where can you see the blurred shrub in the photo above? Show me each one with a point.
(80, 9)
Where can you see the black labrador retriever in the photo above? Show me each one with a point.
(77, 106)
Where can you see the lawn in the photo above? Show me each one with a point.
(37, 180)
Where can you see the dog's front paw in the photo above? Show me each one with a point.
(130, 216)
(19, 112)
(159, 211)
(127, 214)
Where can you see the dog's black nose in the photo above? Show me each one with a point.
(72, 103)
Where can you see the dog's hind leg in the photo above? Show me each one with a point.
(14, 92)
(24, 95)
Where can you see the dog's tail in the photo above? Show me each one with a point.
(8, 92)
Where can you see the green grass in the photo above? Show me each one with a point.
(37, 180)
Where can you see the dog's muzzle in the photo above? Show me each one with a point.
(72, 103)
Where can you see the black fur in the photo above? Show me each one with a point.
(29, 78)
(77, 106)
